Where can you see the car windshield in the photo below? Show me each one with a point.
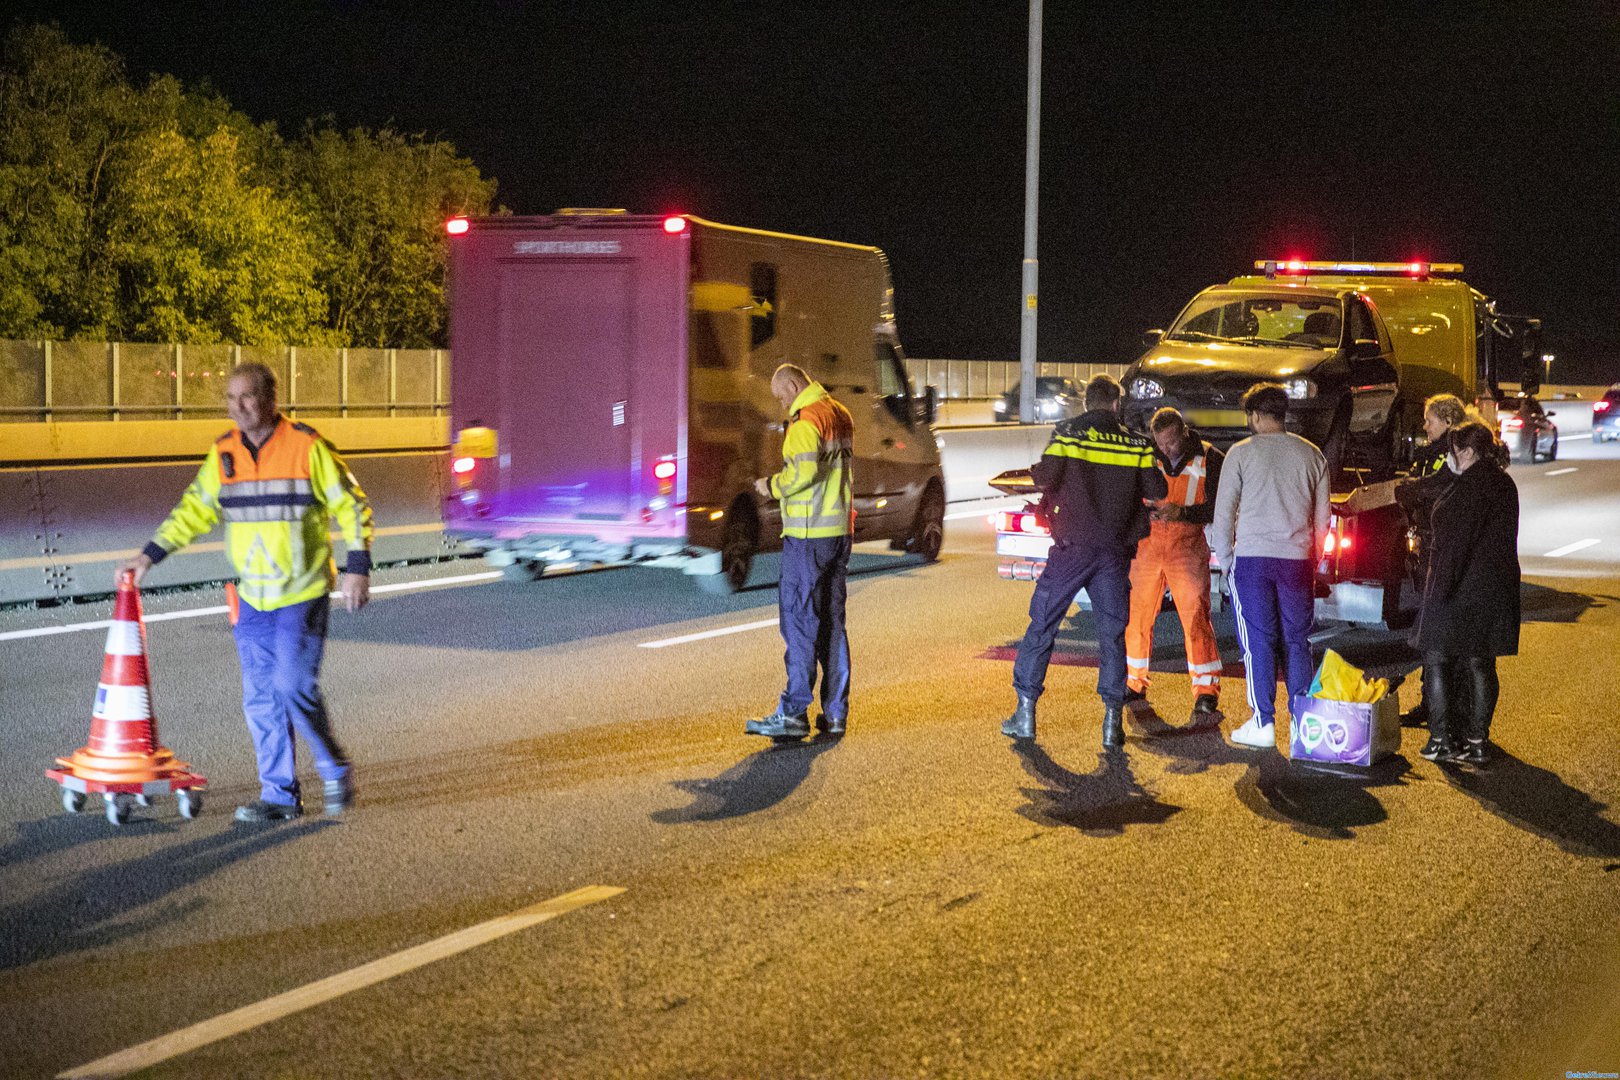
(1305, 322)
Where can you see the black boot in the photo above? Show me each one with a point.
(1206, 712)
(1113, 725)
(1021, 724)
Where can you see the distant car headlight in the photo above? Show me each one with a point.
(1300, 389)
(1146, 389)
(1051, 408)
(1001, 405)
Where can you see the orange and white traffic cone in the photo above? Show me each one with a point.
(123, 761)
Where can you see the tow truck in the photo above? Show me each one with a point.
(1422, 329)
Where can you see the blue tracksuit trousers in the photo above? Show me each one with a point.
(1106, 577)
(811, 599)
(1274, 600)
(281, 664)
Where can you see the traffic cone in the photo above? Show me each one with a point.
(123, 756)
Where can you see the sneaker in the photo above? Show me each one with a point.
(830, 725)
(268, 811)
(1437, 748)
(779, 725)
(1257, 734)
(1475, 753)
(339, 794)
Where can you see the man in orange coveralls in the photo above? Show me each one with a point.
(1176, 552)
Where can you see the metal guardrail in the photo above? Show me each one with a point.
(971, 379)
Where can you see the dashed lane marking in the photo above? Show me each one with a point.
(1561, 472)
(249, 1017)
(197, 613)
(1570, 549)
(722, 632)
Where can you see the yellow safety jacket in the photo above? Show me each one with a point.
(277, 507)
(814, 484)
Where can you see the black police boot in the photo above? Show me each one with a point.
(830, 725)
(1021, 724)
(1206, 712)
(1113, 725)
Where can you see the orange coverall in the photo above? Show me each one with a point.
(1176, 553)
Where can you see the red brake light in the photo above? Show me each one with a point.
(456, 226)
(1417, 269)
(1512, 423)
(1295, 265)
(1601, 406)
(463, 465)
(674, 224)
(664, 470)
(1327, 545)
(1013, 521)
(1344, 544)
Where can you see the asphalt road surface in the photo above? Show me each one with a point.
(921, 898)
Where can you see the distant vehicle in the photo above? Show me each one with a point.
(611, 390)
(1358, 346)
(1606, 416)
(1527, 430)
(1055, 399)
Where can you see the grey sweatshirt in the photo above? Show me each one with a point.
(1273, 500)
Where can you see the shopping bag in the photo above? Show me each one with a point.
(1344, 732)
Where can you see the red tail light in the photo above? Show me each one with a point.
(1512, 423)
(1013, 521)
(463, 465)
(1601, 406)
(456, 226)
(674, 225)
(664, 470)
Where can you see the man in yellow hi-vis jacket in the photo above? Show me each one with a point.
(814, 490)
(277, 485)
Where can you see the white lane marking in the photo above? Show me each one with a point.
(1584, 435)
(248, 1017)
(1570, 549)
(722, 632)
(1560, 472)
(986, 511)
(197, 613)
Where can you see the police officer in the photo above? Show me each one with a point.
(1095, 478)
(814, 490)
(277, 485)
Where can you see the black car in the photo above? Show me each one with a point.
(1326, 345)
(1055, 399)
(1528, 431)
(1606, 416)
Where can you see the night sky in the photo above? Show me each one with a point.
(1180, 142)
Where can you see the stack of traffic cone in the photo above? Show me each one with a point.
(123, 757)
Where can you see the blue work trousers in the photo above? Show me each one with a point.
(281, 664)
(1105, 574)
(811, 599)
(1274, 600)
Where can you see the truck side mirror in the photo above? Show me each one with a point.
(1151, 338)
(1530, 376)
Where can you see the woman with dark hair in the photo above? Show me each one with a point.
(1470, 611)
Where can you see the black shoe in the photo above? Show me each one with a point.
(1206, 712)
(1475, 753)
(1416, 716)
(1021, 724)
(1135, 697)
(1113, 725)
(779, 725)
(339, 794)
(1438, 748)
(830, 725)
(268, 811)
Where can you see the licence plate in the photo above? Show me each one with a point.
(1217, 418)
(1022, 545)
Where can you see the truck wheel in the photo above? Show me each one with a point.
(737, 549)
(928, 531)
(523, 570)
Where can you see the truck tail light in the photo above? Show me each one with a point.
(457, 225)
(1601, 406)
(664, 470)
(1512, 423)
(463, 465)
(674, 225)
(1014, 521)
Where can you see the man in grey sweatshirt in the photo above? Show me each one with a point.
(1271, 513)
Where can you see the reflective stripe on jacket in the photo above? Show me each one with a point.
(1094, 476)
(814, 484)
(277, 510)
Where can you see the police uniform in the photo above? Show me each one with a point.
(1094, 476)
(278, 501)
(1176, 553)
(814, 489)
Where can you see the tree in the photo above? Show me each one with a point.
(380, 200)
(202, 253)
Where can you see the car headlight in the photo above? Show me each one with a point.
(1001, 406)
(1146, 389)
(1299, 389)
(1050, 408)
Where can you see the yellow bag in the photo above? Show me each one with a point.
(1339, 680)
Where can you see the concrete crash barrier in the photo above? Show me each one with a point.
(64, 527)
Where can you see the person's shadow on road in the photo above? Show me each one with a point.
(1102, 802)
(757, 782)
(90, 909)
(1537, 801)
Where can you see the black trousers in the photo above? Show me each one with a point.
(1461, 693)
(1106, 577)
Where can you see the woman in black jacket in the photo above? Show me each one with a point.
(1470, 611)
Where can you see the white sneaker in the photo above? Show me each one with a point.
(1254, 733)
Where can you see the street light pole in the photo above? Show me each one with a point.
(1546, 363)
(1032, 173)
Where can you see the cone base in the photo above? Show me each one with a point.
(160, 764)
(184, 781)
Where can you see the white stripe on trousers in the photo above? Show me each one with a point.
(1243, 640)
